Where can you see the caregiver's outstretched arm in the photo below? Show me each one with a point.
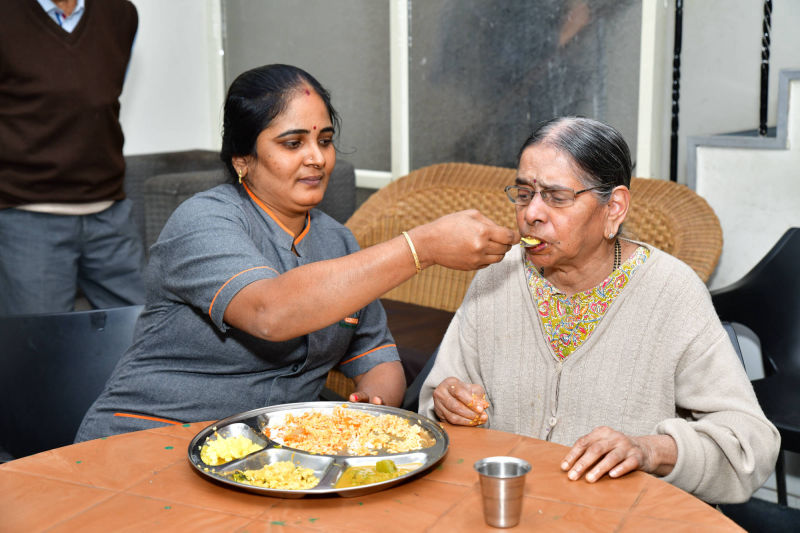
(310, 297)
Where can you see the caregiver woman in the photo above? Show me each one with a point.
(254, 295)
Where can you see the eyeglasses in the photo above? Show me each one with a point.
(523, 195)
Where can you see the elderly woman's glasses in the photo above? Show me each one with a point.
(523, 195)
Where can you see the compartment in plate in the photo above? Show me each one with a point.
(230, 443)
(264, 421)
(344, 430)
(278, 468)
(362, 471)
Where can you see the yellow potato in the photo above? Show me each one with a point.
(222, 450)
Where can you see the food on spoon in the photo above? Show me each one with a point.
(283, 475)
(225, 449)
(366, 475)
(530, 241)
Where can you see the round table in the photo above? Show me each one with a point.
(143, 481)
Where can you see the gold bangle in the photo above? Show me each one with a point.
(413, 252)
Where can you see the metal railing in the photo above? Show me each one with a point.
(766, 29)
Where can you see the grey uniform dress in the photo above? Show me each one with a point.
(186, 364)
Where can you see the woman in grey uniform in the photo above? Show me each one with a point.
(253, 295)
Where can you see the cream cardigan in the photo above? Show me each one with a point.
(659, 362)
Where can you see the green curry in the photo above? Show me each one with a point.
(383, 470)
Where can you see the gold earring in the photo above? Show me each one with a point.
(241, 175)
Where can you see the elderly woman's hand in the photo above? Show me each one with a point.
(466, 240)
(460, 403)
(607, 451)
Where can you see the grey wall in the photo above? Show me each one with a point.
(484, 74)
(344, 44)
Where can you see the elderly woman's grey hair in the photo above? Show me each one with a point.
(599, 152)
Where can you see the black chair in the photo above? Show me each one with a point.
(757, 516)
(411, 397)
(734, 337)
(767, 300)
(53, 367)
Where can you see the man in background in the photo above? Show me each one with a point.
(64, 220)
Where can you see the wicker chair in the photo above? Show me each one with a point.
(669, 216)
(675, 219)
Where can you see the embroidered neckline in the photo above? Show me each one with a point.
(568, 321)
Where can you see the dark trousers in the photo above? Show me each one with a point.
(45, 258)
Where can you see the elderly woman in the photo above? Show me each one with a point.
(254, 295)
(598, 342)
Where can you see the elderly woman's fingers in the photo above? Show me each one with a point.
(603, 451)
(455, 402)
(612, 460)
(628, 465)
(477, 401)
(460, 420)
(585, 453)
(575, 452)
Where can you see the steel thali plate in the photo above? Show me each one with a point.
(327, 468)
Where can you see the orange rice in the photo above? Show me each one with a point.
(348, 432)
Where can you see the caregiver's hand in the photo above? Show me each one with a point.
(465, 240)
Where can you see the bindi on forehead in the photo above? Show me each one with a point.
(308, 93)
(315, 127)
